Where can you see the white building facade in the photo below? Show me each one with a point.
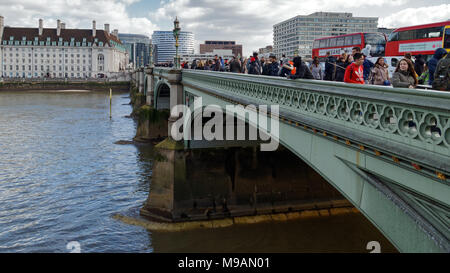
(297, 34)
(60, 52)
(165, 44)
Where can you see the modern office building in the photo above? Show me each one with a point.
(298, 33)
(60, 52)
(138, 47)
(165, 43)
(209, 46)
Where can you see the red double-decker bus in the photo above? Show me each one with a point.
(422, 39)
(344, 43)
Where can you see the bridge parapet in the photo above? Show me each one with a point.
(416, 121)
(161, 72)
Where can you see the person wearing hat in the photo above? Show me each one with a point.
(253, 67)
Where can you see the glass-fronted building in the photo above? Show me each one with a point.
(297, 34)
(138, 47)
(165, 44)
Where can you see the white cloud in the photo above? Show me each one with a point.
(76, 14)
(250, 22)
(414, 16)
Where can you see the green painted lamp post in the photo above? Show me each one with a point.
(176, 34)
(151, 55)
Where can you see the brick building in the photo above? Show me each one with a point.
(209, 46)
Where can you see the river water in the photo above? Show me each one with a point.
(62, 179)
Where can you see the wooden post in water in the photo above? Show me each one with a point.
(110, 103)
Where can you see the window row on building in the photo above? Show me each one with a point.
(297, 34)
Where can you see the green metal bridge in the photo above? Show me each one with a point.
(387, 150)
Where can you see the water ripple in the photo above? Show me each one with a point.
(61, 176)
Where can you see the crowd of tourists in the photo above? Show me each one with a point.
(353, 68)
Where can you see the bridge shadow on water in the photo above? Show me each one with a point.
(269, 182)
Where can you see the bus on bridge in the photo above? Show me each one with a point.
(344, 43)
(421, 39)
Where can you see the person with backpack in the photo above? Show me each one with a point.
(432, 63)
(286, 69)
(301, 70)
(253, 67)
(442, 74)
(235, 65)
(258, 63)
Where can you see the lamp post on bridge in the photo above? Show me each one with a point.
(150, 53)
(176, 34)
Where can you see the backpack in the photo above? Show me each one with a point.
(442, 75)
(254, 69)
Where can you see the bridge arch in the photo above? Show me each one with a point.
(162, 95)
(248, 130)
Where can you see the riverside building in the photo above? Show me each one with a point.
(60, 52)
(297, 34)
(165, 44)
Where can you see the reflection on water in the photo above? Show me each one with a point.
(62, 178)
(339, 233)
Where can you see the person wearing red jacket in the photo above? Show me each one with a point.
(354, 73)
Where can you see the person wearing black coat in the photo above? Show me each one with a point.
(329, 68)
(301, 70)
(235, 66)
(341, 65)
(194, 64)
(271, 67)
(418, 64)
